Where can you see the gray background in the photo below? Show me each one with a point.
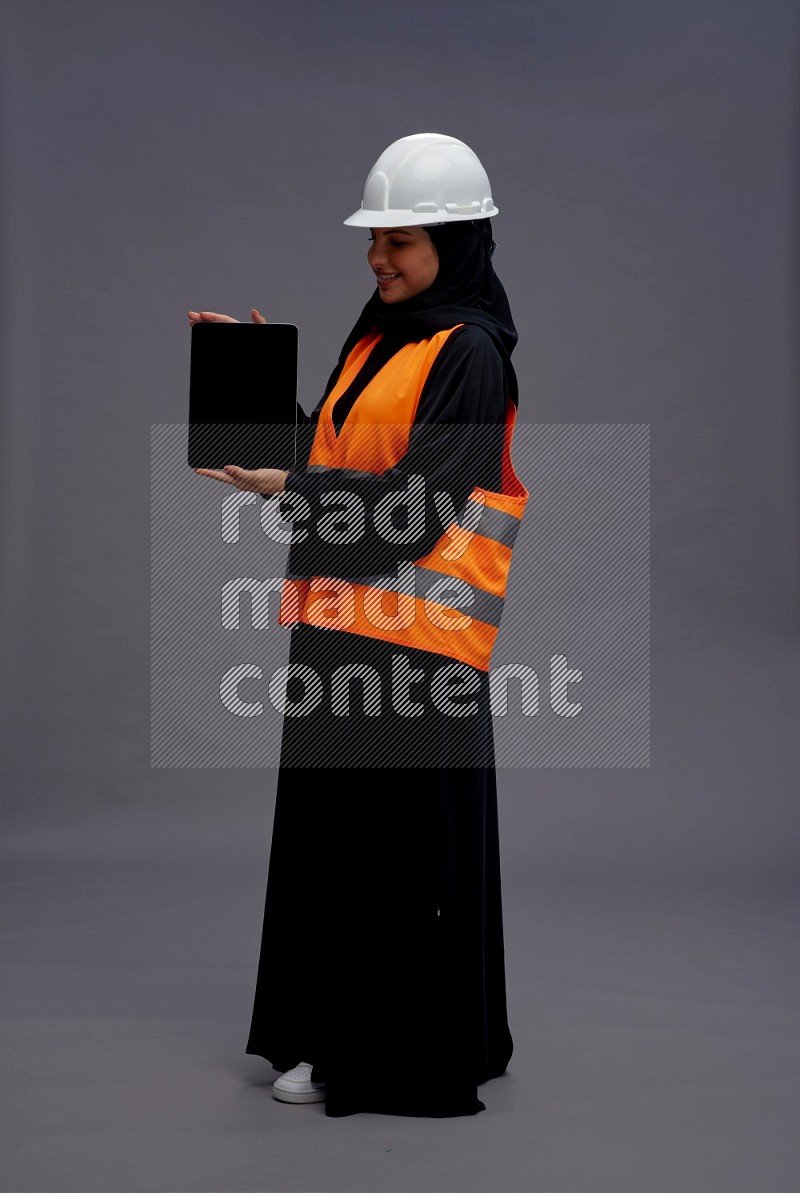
(158, 157)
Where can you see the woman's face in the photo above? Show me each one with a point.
(404, 261)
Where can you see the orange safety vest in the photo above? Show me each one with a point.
(470, 567)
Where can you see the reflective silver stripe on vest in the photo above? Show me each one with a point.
(492, 523)
(484, 606)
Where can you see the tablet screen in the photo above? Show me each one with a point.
(243, 395)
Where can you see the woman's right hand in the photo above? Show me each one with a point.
(213, 317)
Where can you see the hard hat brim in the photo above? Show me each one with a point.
(399, 218)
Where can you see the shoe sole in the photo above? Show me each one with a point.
(284, 1095)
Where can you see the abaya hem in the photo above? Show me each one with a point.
(426, 1099)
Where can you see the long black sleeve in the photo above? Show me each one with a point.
(454, 444)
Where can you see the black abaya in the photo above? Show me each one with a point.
(382, 953)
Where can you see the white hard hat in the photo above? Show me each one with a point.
(426, 178)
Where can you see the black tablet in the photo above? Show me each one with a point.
(243, 395)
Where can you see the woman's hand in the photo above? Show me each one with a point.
(259, 480)
(213, 317)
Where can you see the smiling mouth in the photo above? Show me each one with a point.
(387, 279)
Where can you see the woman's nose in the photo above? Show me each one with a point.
(376, 256)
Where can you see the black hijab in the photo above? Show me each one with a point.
(466, 289)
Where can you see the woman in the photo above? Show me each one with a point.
(381, 982)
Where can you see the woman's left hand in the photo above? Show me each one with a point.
(259, 480)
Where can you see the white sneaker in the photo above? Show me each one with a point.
(296, 1085)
